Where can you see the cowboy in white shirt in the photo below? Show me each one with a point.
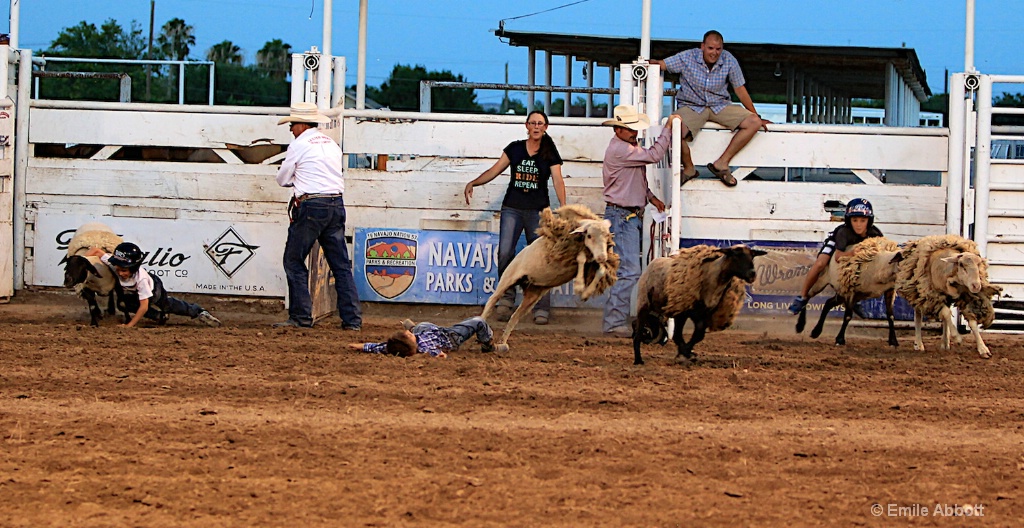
(313, 169)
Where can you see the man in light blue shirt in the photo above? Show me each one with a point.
(705, 74)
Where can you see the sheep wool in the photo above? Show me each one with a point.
(913, 277)
(978, 306)
(692, 266)
(852, 269)
(565, 247)
(93, 234)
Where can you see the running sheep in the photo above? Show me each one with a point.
(88, 275)
(938, 271)
(575, 245)
(870, 272)
(705, 284)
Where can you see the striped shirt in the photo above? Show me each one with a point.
(701, 87)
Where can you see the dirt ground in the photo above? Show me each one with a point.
(246, 425)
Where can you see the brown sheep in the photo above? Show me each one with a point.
(705, 284)
(870, 272)
(576, 245)
(934, 273)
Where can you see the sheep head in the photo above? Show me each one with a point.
(595, 235)
(738, 261)
(966, 271)
(77, 270)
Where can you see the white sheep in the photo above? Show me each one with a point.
(705, 284)
(870, 272)
(88, 275)
(937, 271)
(575, 245)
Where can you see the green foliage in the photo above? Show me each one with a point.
(225, 52)
(109, 41)
(401, 91)
(275, 59)
(176, 39)
(1012, 100)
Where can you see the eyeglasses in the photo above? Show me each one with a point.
(536, 123)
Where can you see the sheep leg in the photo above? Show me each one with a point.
(947, 327)
(847, 317)
(111, 310)
(918, 317)
(641, 317)
(976, 332)
(686, 349)
(581, 262)
(531, 294)
(504, 283)
(834, 301)
(890, 299)
(94, 309)
(801, 320)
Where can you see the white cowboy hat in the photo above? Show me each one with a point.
(304, 113)
(626, 116)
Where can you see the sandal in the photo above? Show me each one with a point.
(723, 174)
(687, 177)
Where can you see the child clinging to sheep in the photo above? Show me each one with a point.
(142, 292)
(858, 225)
(428, 338)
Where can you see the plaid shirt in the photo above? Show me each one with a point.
(701, 87)
(431, 340)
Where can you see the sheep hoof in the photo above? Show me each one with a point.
(686, 361)
(501, 347)
(984, 353)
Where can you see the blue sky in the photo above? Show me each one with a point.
(457, 35)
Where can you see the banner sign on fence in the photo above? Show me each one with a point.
(437, 267)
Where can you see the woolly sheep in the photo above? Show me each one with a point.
(934, 273)
(870, 272)
(705, 284)
(87, 275)
(576, 246)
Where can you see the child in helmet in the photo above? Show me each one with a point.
(141, 292)
(858, 225)
(428, 338)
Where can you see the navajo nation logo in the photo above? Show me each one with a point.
(390, 261)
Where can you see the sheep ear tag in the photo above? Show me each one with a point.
(390, 261)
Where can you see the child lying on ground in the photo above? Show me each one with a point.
(428, 338)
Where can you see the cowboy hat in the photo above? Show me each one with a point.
(626, 116)
(304, 113)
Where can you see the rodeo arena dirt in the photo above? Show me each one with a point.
(241, 422)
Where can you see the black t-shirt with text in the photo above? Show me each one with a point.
(528, 186)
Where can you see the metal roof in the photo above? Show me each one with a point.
(853, 71)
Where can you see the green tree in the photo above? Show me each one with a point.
(225, 52)
(176, 39)
(275, 59)
(401, 91)
(109, 41)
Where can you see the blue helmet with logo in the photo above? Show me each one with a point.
(859, 207)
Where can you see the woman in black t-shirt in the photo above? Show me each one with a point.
(533, 161)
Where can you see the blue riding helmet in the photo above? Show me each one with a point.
(859, 207)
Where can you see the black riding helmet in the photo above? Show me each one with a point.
(127, 255)
(859, 207)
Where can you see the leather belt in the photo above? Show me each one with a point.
(304, 197)
(634, 210)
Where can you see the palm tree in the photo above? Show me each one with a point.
(225, 52)
(275, 59)
(176, 37)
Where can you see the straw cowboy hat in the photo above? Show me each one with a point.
(626, 116)
(304, 113)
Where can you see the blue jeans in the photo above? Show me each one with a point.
(461, 332)
(319, 220)
(626, 227)
(513, 223)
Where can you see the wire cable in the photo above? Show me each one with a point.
(501, 23)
